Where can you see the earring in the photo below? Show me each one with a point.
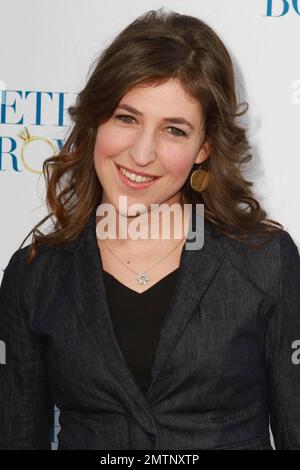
(199, 179)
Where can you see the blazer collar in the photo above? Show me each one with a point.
(83, 281)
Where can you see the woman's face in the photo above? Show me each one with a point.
(143, 136)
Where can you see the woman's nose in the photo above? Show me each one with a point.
(143, 151)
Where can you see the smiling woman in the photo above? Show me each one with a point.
(174, 78)
(147, 344)
(145, 144)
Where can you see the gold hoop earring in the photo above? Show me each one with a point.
(199, 179)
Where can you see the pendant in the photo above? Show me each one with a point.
(142, 278)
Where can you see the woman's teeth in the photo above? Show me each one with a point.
(134, 177)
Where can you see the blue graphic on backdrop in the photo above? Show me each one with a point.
(29, 108)
(278, 8)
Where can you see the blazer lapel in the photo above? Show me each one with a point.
(197, 270)
(83, 280)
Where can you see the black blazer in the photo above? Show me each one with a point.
(226, 366)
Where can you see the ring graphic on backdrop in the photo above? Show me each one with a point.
(185, 226)
(28, 139)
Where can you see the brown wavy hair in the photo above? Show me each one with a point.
(157, 46)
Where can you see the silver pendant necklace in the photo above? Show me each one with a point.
(142, 277)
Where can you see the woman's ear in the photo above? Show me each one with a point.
(203, 153)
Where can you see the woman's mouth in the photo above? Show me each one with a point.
(134, 181)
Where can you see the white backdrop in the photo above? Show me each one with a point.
(47, 47)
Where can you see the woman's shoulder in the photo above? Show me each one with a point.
(258, 243)
(289, 253)
(18, 265)
(288, 242)
(265, 260)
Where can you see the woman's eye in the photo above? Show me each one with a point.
(123, 118)
(181, 133)
(126, 118)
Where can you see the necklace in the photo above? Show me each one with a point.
(142, 277)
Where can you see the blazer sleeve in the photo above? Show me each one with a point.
(283, 351)
(26, 409)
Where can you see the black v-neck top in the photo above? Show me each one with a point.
(137, 320)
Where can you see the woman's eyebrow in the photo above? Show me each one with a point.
(175, 120)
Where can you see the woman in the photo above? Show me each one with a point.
(143, 343)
